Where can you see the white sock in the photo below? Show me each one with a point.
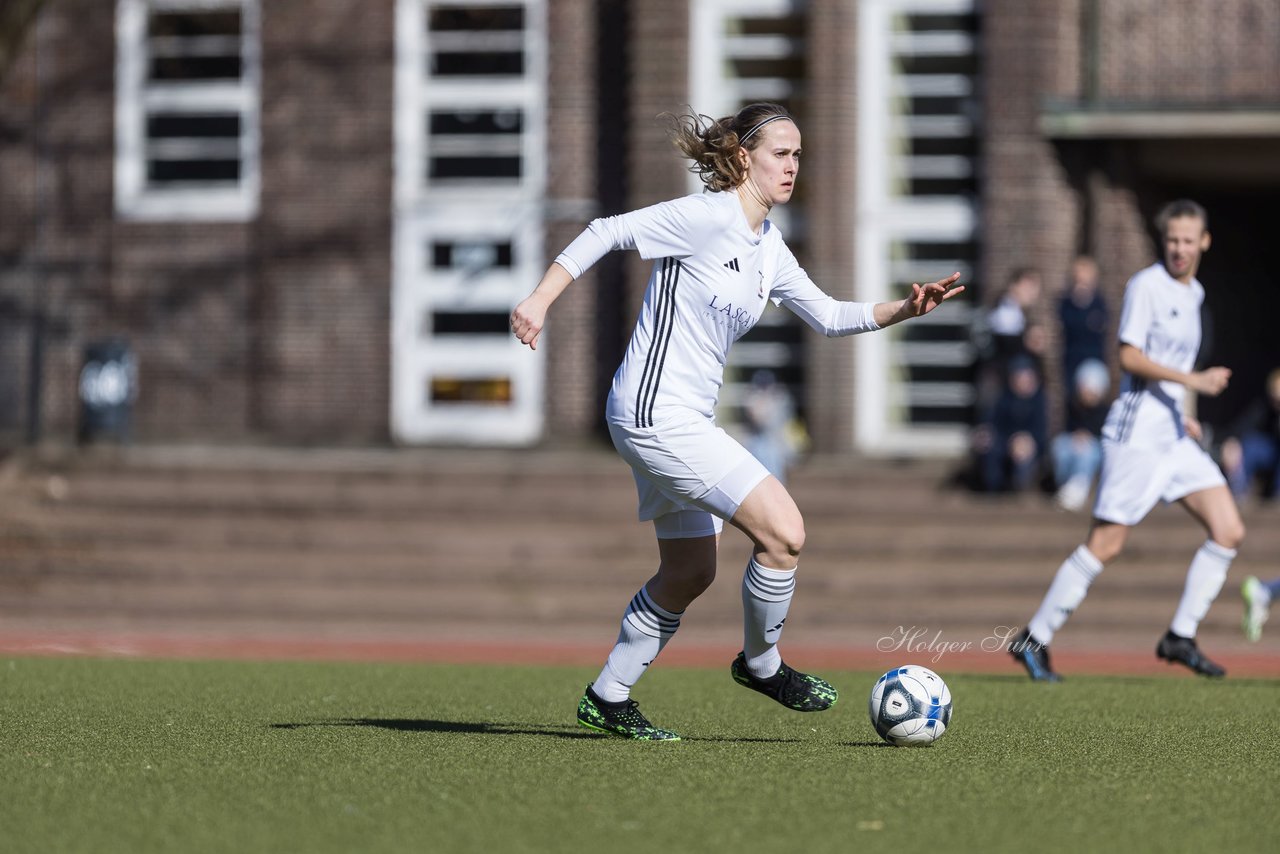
(1065, 593)
(1204, 581)
(766, 596)
(646, 628)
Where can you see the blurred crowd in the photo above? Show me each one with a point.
(1013, 446)
(1022, 439)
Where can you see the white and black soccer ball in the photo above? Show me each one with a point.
(910, 706)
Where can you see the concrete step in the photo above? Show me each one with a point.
(505, 533)
(472, 545)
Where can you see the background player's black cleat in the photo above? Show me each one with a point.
(1034, 656)
(1175, 648)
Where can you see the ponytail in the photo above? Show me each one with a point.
(712, 144)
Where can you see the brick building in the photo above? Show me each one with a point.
(310, 218)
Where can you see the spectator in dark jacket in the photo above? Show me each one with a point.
(1252, 447)
(1008, 329)
(1016, 433)
(1084, 317)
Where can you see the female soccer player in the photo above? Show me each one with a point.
(717, 260)
(1150, 452)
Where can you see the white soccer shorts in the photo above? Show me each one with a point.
(690, 475)
(1135, 477)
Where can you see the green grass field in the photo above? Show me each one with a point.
(139, 756)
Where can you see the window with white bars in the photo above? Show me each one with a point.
(746, 51)
(470, 106)
(478, 102)
(917, 147)
(187, 106)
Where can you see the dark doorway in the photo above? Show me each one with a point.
(1241, 277)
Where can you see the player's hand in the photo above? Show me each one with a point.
(527, 320)
(925, 298)
(1193, 428)
(1211, 381)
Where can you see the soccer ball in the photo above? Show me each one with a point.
(910, 706)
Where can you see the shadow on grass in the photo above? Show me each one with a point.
(471, 728)
(461, 727)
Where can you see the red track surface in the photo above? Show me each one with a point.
(100, 644)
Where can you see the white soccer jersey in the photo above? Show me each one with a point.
(711, 278)
(1161, 317)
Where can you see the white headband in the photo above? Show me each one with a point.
(746, 136)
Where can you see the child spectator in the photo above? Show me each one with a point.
(1077, 450)
(1015, 436)
(768, 414)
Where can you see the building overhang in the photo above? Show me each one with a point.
(1075, 121)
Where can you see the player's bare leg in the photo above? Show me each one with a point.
(770, 517)
(1106, 540)
(686, 568)
(1215, 508)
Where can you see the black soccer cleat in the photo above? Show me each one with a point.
(1177, 649)
(1034, 656)
(622, 719)
(793, 689)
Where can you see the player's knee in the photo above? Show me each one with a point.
(1107, 554)
(687, 580)
(699, 580)
(689, 587)
(1105, 549)
(779, 541)
(1229, 535)
(791, 537)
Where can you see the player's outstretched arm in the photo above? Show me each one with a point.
(528, 318)
(923, 299)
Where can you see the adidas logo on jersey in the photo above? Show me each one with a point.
(732, 265)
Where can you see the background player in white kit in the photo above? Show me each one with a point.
(1151, 452)
(717, 261)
